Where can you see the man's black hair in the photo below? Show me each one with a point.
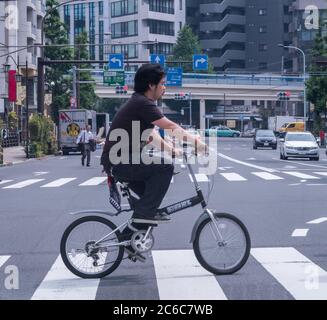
(148, 74)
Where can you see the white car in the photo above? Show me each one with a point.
(299, 145)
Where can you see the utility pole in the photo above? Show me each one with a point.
(74, 85)
(190, 106)
(224, 109)
(27, 111)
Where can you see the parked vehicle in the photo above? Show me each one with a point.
(222, 131)
(264, 138)
(299, 145)
(71, 122)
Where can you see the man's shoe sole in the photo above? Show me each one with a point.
(149, 221)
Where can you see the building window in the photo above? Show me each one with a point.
(92, 30)
(123, 8)
(263, 47)
(129, 50)
(67, 17)
(124, 29)
(161, 27)
(100, 8)
(263, 66)
(101, 39)
(263, 29)
(163, 6)
(79, 18)
(161, 48)
(262, 12)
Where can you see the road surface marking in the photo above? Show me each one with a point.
(94, 181)
(61, 284)
(296, 273)
(172, 180)
(317, 221)
(300, 232)
(180, 277)
(3, 260)
(5, 181)
(267, 176)
(233, 176)
(246, 164)
(300, 175)
(40, 173)
(200, 177)
(321, 173)
(23, 184)
(58, 183)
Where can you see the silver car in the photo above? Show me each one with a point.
(299, 145)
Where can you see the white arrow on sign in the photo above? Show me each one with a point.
(202, 60)
(114, 60)
(157, 59)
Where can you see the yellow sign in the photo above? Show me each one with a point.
(231, 123)
(73, 130)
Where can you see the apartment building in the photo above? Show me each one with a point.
(135, 28)
(20, 30)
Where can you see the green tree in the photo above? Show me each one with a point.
(187, 45)
(87, 98)
(317, 84)
(56, 33)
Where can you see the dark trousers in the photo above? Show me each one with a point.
(86, 154)
(150, 182)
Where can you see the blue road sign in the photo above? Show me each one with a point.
(174, 77)
(200, 62)
(158, 58)
(116, 62)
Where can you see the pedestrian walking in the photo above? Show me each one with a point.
(86, 139)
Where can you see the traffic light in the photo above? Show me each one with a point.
(121, 89)
(182, 96)
(284, 96)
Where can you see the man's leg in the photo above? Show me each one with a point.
(88, 153)
(83, 155)
(157, 182)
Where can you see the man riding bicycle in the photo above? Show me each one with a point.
(137, 118)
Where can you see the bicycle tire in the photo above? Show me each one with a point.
(204, 263)
(66, 259)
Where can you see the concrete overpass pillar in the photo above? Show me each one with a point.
(202, 114)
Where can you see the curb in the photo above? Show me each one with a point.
(12, 163)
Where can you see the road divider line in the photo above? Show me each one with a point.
(94, 181)
(232, 176)
(267, 176)
(200, 177)
(246, 164)
(321, 173)
(300, 232)
(301, 175)
(180, 277)
(61, 284)
(317, 221)
(58, 183)
(296, 273)
(23, 184)
(3, 260)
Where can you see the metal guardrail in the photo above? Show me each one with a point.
(196, 78)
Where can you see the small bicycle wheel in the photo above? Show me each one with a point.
(222, 246)
(89, 249)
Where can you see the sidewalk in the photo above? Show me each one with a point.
(13, 155)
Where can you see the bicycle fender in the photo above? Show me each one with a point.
(92, 212)
(197, 224)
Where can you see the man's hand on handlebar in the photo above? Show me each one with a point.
(201, 148)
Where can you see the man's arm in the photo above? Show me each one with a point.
(176, 130)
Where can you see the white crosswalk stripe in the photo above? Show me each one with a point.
(5, 181)
(200, 177)
(58, 183)
(300, 175)
(267, 176)
(321, 173)
(23, 184)
(180, 277)
(295, 272)
(232, 176)
(61, 284)
(94, 181)
(3, 260)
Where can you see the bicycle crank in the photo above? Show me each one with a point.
(141, 244)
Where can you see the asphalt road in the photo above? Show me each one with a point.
(282, 203)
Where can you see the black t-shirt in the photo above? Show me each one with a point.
(138, 109)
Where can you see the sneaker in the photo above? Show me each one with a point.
(88, 165)
(134, 256)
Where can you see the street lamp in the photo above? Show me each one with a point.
(304, 77)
